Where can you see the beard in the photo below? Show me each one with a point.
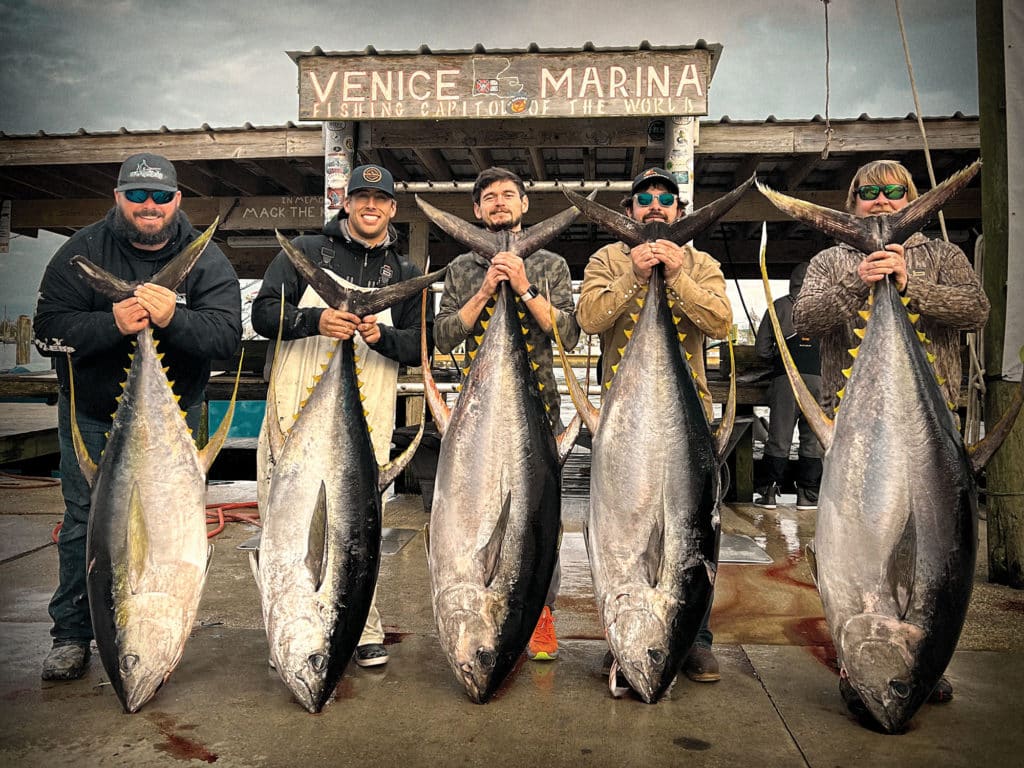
(124, 227)
(513, 222)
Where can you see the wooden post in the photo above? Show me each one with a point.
(1004, 480)
(339, 156)
(24, 343)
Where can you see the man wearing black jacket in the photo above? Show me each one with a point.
(358, 247)
(200, 322)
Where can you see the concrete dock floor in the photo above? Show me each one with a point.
(776, 705)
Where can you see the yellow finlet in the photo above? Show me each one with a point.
(854, 352)
(864, 314)
(522, 315)
(914, 317)
(905, 300)
(922, 338)
(479, 339)
(534, 365)
(859, 332)
(635, 317)
(530, 347)
(841, 393)
(847, 371)
(931, 357)
(628, 333)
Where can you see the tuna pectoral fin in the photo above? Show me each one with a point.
(983, 450)
(316, 540)
(567, 439)
(902, 566)
(724, 432)
(590, 414)
(653, 556)
(490, 554)
(137, 541)
(438, 407)
(812, 561)
(394, 468)
(209, 452)
(820, 424)
(85, 462)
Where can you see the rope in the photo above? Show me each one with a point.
(9, 481)
(917, 110)
(828, 87)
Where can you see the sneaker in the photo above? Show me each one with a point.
(371, 655)
(543, 644)
(701, 666)
(806, 499)
(942, 693)
(67, 660)
(767, 499)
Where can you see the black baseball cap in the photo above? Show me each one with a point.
(371, 177)
(147, 171)
(655, 176)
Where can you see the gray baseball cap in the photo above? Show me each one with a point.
(372, 177)
(147, 171)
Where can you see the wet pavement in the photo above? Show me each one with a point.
(776, 705)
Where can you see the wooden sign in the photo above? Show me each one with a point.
(425, 87)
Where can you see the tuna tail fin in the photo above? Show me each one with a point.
(591, 416)
(843, 226)
(683, 230)
(85, 462)
(536, 237)
(209, 452)
(475, 238)
(631, 231)
(983, 450)
(723, 434)
(431, 394)
(918, 213)
(820, 424)
(116, 289)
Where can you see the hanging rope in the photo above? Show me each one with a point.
(828, 87)
(917, 110)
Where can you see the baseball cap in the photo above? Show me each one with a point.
(147, 171)
(371, 177)
(653, 176)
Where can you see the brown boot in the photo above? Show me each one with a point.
(66, 661)
(701, 666)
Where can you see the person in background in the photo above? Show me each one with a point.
(471, 285)
(357, 246)
(694, 280)
(784, 414)
(199, 323)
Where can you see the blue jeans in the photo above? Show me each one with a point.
(69, 606)
(704, 636)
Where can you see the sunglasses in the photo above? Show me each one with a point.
(644, 199)
(160, 196)
(872, 191)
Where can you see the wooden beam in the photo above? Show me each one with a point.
(437, 167)
(538, 168)
(482, 158)
(75, 214)
(746, 168)
(867, 136)
(285, 175)
(799, 169)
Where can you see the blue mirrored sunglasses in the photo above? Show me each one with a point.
(644, 199)
(891, 191)
(160, 196)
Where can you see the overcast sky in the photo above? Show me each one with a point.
(71, 64)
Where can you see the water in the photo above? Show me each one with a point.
(8, 357)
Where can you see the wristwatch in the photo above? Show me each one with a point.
(530, 293)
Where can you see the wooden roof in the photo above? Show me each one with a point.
(259, 178)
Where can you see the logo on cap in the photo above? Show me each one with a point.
(145, 171)
(372, 174)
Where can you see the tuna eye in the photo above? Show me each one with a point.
(128, 662)
(899, 689)
(318, 662)
(656, 656)
(485, 658)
